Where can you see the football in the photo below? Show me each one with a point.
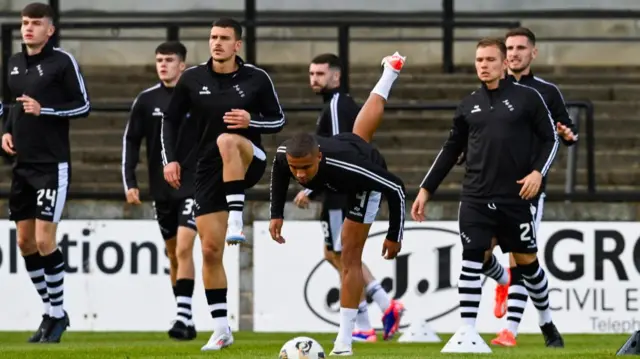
(302, 348)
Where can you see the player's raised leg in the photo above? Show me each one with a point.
(370, 115)
(237, 152)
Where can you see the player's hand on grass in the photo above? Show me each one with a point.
(275, 228)
(133, 196)
(419, 206)
(390, 249)
(530, 185)
(172, 174)
(301, 200)
(7, 144)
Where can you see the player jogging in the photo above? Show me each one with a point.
(511, 143)
(231, 104)
(173, 208)
(346, 163)
(338, 116)
(511, 299)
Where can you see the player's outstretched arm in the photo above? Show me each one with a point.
(445, 160)
(280, 178)
(370, 116)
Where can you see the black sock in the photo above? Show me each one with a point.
(217, 300)
(235, 199)
(535, 280)
(494, 270)
(470, 286)
(54, 275)
(184, 292)
(35, 267)
(175, 293)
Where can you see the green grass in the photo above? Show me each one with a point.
(266, 345)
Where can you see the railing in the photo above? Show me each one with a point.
(343, 26)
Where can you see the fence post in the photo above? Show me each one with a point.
(343, 53)
(572, 154)
(55, 5)
(591, 147)
(7, 50)
(447, 36)
(173, 33)
(250, 27)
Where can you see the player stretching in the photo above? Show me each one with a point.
(338, 116)
(48, 91)
(512, 142)
(511, 299)
(346, 163)
(173, 208)
(231, 104)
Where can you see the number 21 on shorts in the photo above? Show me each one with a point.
(527, 229)
(48, 195)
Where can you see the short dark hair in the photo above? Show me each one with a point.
(301, 145)
(522, 31)
(37, 10)
(492, 41)
(172, 48)
(227, 22)
(332, 60)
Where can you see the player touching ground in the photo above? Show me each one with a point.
(511, 143)
(48, 90)
(511, 298)
(231, 104)
(173, 207)
(346, 163)
(338, 116)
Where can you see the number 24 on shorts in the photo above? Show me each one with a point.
(48, 195)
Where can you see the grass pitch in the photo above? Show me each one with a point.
(267, 345)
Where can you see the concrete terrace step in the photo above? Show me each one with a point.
(95, 174)
(605, 160)
(403, 90)
(401, 139)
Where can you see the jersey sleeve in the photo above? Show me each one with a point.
(280, 178)
(559, 112)
(77, 104)
(172, 118)
(131, 141)
(270, 117)
(545, 130)
(450, 153)
(372, 177)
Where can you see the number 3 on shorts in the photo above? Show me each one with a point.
(188, 206)
(525, 228)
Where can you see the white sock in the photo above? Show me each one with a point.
(513, 327)
(347, 324)
(362, 319)
(219, 323)
(383, 87)
(379, 295)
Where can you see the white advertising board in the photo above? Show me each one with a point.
(593, 270)
(116, 279)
